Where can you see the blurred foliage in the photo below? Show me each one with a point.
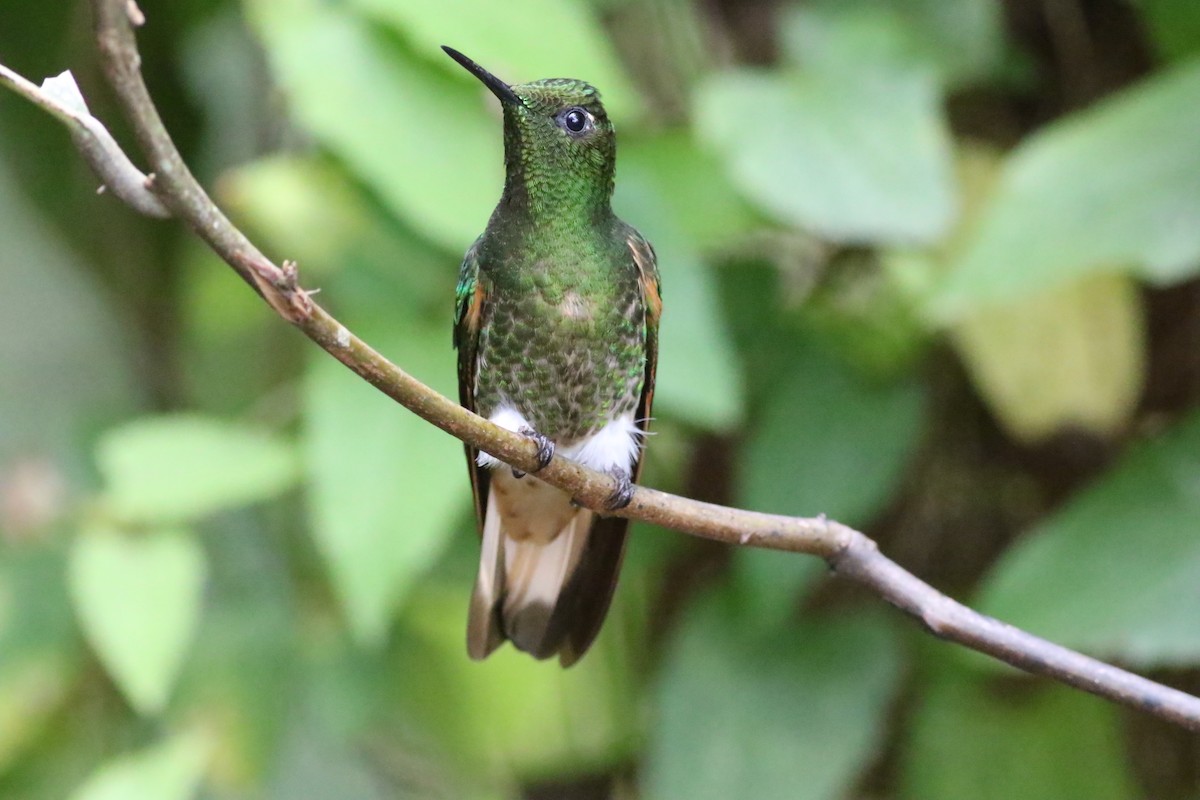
(929, 268)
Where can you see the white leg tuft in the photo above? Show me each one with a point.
(615, 446)
(508, 418)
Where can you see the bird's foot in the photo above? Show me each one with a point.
(545, 450)
(623, 494)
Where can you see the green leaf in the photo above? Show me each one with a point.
(1044, 742)
(825, 443)
(170, 770)
(791, 715)
(386, 487)
(251, 637)
(419, 137)
(687, 183)
(138, 599)
(854, 158)
(962, 42)
(1073, 356)
(1117, 571)
(509, 40)
(180, 467)
(1112, 185)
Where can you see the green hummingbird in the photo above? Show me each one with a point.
(556, 326)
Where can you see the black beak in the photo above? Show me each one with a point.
(497, 86)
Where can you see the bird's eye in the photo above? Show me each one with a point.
(575, 120)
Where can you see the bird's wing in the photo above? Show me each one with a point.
(647, 266)
(469, 298)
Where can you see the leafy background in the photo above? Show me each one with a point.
(930, 268)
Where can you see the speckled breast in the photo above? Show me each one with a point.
(567, 359)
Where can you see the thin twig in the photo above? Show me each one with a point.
(59, 96)
(849, 553)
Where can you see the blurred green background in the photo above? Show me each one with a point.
(929, 268)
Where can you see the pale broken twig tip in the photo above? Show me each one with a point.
(60, 96)
(136, 18)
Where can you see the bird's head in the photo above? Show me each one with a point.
(558, 139)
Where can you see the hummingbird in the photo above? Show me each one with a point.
(556, 326)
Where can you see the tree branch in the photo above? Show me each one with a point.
(849, 553)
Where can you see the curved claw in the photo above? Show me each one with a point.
(623, 494)
(545, 449)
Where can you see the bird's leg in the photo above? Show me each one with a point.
(623, 494)
(545, 450)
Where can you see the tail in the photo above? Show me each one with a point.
(547, 572)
